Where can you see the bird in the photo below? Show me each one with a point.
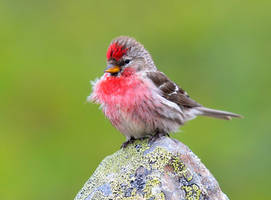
(138, 99)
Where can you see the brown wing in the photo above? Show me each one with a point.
(171, 91)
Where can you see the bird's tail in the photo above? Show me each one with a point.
(217, 113)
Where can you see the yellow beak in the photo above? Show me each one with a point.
(112, 69)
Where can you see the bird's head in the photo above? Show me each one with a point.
(126, 53)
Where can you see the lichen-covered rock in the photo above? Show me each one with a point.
(164, 169)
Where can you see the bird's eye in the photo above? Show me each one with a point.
(127, 61)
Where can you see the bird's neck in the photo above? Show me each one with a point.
(118, 85)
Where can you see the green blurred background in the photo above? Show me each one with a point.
(51, 140)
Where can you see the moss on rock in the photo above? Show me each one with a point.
(165, 169)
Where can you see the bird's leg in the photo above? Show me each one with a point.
(156, 136)
(129, 141)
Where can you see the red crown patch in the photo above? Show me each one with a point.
(115, 51)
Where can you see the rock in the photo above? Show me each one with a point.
(165, 169)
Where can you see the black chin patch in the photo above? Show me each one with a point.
(114, 74)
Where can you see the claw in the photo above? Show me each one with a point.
(129, 141)
(157, 136)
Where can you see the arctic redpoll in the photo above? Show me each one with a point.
(139, 100)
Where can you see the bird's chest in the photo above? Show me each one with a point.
(120, 94)
(128, 102)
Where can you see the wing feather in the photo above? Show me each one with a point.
(171, 91)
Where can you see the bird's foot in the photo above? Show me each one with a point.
(129, 141)
(158, 135)
(144, 138)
